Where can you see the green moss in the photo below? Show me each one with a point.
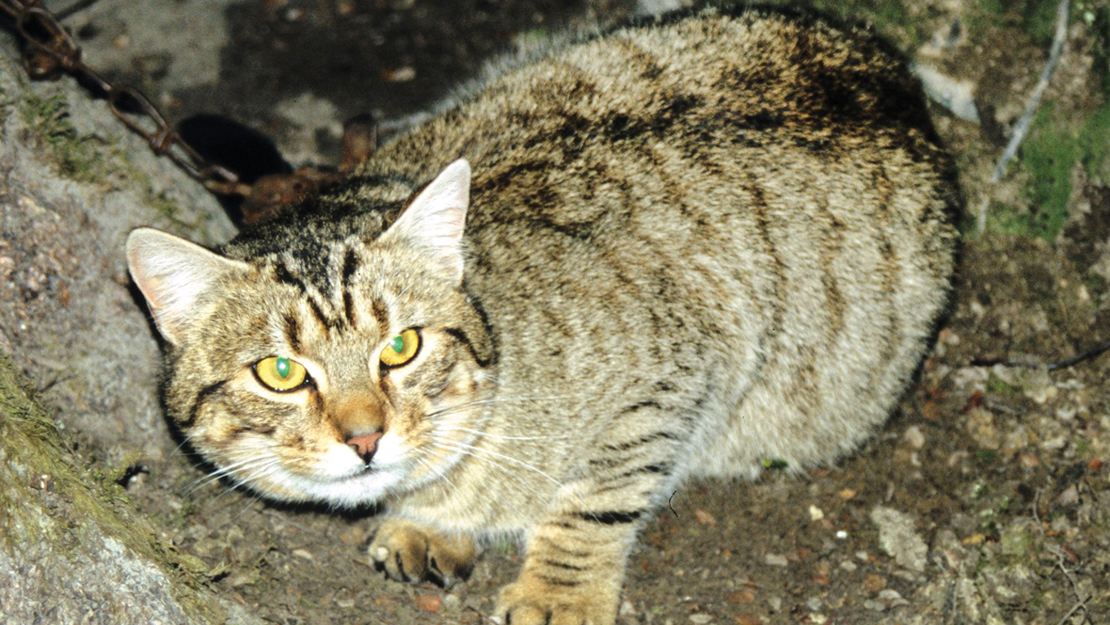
(996, 384)
(85, 503)
(1083, 448)
(985, 15)
(1098, 22)
(1036, 18)
(1016, 541)
(775, 464)
(1050, 154)
(76, 156)
(160, 201)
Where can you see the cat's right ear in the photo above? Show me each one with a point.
(435, 219)
(174, 276)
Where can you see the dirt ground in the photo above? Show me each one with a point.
(985, 498)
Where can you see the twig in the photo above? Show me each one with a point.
(1094, 352)
(1082, 605)
(1021, 128)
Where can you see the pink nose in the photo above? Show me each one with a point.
(365, 445)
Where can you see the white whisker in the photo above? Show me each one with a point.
(501, 436)
(472, 451)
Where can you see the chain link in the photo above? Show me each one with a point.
(51, 51)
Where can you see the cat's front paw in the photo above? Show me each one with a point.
(410, 552)
(532, 601)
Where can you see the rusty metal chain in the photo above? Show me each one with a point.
(51, 52)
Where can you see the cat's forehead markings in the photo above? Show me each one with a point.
(283, 274)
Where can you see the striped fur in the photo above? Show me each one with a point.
(692, 244)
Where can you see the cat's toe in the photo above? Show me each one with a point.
(399, 553)
(450, 560)
(529, 603)
(409, 552)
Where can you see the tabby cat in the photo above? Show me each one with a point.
(677, 249)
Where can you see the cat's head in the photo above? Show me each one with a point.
(338, 370)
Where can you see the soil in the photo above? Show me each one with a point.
(984, 499)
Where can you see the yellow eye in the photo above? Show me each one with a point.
(400, 348)
(280, 374)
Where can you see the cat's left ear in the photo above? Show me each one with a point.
(177, 278)
(435, 220)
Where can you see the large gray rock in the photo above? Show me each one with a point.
(73, 182)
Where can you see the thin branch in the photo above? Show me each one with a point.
(1094, 352)
(1021, 128)
(1082, 605)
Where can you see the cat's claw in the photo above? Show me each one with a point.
(409, 552)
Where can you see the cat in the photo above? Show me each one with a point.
(677, 249)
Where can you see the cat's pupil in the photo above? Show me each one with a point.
(282, 366)
(398, 343)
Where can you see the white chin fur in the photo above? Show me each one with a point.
(340, 478)
(364, 488)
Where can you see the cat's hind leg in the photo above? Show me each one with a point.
(410, 552)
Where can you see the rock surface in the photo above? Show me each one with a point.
(72, 548)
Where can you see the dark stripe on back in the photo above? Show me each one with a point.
(643, 440)
(662, 467)
(566, 583)
(562, 565)
(560, 548)
(611, 517)
(647, 403)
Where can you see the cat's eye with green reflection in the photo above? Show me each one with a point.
(280, 374)
(401, 348)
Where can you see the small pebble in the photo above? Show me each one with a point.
(704, 517)
(892, 598)
(700, 619)
(428, 603)
(914, 437)
(404, 74)
(775, 559)
(877, 606)
(740, 596)
(303, 553)
(816, 514)
(874, 583)
(841, 535)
